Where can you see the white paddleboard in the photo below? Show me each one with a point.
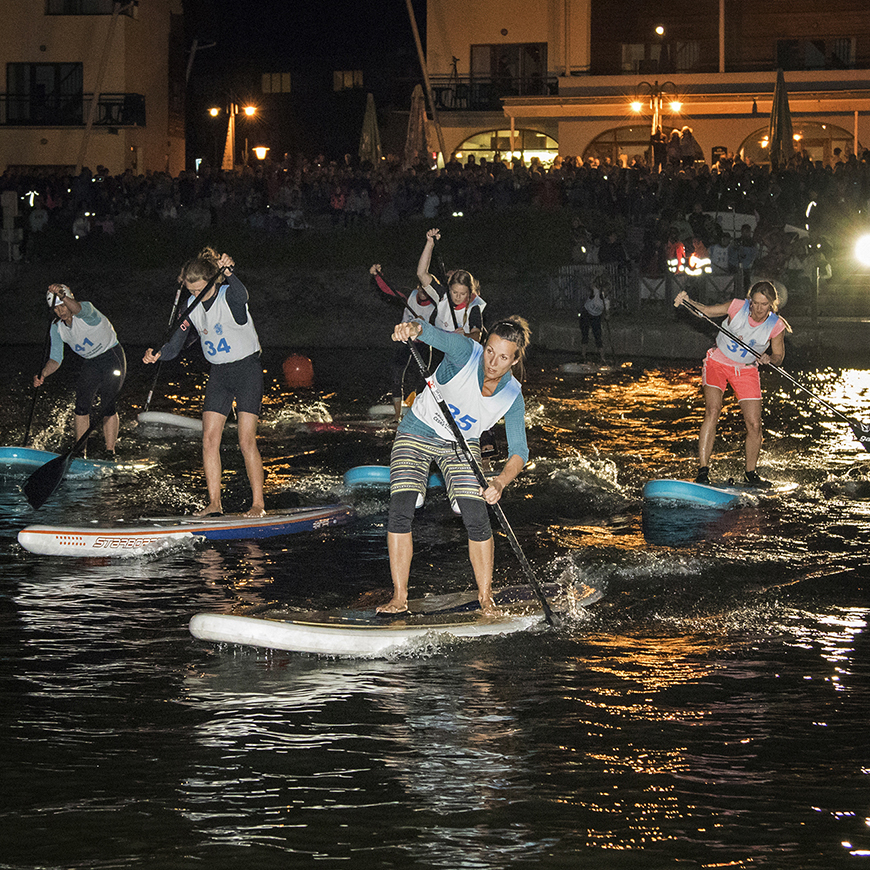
(175, 421)
(585, 368)
(361, 635)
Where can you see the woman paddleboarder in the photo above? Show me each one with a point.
(478, 384)
(461, 308)
(230, 343)
(91, 335)
(755, 322)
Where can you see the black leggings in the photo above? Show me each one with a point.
(475, 516)
(98, 376)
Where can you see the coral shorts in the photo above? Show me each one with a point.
(744, 379)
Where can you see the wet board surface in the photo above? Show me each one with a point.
(154, 534)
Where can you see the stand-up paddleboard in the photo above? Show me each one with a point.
(585, 368)
(379, 475)
(367, 634)
(386, 410)
(158, 533)
(23, 461)
(175, 421)
(687, 492)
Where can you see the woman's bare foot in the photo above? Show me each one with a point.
(488, 608)
(255, 511)
(210, 510)
(394, 606)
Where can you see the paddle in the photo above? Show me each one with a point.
(481, 479)
(160, 361)
(860, 430)
(46, 350)
(40, 486)
(447, 285)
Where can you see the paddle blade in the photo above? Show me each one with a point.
(862, 433)
(39, 487)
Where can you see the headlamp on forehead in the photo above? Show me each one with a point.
(54, 300)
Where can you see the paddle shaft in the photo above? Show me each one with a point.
(160, 362)
(46, 350)
(698, 313)
(481, 479)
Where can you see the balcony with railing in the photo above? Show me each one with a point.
(71, 110)
(484, 93)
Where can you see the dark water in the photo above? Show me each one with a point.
(710, 711)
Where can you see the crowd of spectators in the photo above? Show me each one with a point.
(618, 209)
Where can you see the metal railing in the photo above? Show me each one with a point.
(113, 110)
(484, 93)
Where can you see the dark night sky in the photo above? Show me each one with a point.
(278, 29)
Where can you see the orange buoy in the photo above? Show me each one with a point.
(298, 371)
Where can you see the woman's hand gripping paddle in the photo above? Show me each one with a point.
(551, 617)
(860, 430)
(40, 486)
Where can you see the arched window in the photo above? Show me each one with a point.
(622, 144)
(819, 141)
(496, 145)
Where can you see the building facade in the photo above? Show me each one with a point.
(92, 83)
(594, 78)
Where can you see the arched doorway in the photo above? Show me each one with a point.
(495, 145)
(818, 140)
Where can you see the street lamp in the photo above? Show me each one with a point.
(229, 159)
(656, 94)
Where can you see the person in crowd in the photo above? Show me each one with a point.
(418, 305)
(478, 381)
(230, 343)
(461, 308)
(91, 335)
(742, 254)
(755, 322)
(595, 308)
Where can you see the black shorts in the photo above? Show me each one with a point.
(103, 375)
(241, 381)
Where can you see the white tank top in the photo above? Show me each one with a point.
(86, 340)
(757, 337)
(474, 413)
(222, 339)
(444, 319)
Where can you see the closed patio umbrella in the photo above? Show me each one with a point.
(370, 138)
(416, 146)
(780, 137)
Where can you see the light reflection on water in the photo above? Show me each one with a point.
(710, 709)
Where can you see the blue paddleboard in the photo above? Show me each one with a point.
(689, 492)
(379, 475)
(23, 461)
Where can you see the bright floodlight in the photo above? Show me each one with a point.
(862, 250)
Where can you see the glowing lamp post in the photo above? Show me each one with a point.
(655, 96)
(229, 159)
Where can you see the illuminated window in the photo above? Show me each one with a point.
(496, 145)
(346, 80)
(513, 69)
(276, 83)
(819, 141)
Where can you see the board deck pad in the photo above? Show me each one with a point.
(152, 535)
(175, 421)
